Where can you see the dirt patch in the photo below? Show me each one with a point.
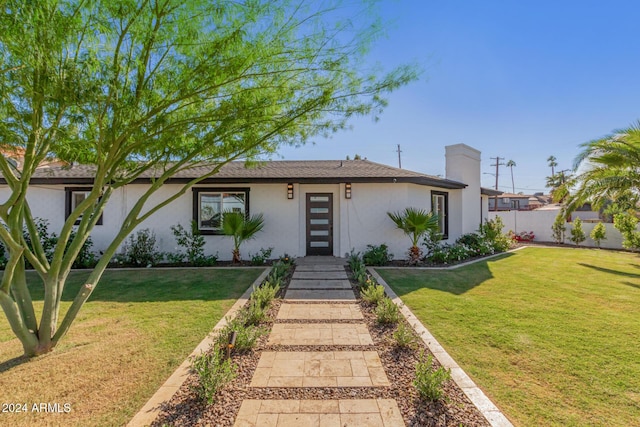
(96, 396)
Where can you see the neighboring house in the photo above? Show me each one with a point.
(519, 202)
(309, 207)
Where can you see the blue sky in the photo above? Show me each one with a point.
(516, 79)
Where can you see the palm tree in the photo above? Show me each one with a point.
(552, 164)
(241, 228)
(611, 171)
(511, 164)
(415, 223)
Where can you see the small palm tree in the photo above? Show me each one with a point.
(415, 223)
(241, 228)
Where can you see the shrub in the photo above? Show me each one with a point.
(577, 233)
(287, 259)
(372, 294)
(264, 294)
(246, 336)
(404, 337)
(598, 233)
(214, 372)
(472, 240)
(429, 381)
(253, 313)
(627, 224)
(279, 271)
(261, 257)
(431, 241)
(377, 255)
(558, 228)
(354, 260)
(387, 311)
(140, 249)
(491, 231)
(193, 243)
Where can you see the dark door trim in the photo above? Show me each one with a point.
(319, 212)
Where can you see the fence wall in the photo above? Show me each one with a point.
(540, 222)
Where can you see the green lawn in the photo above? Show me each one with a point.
(134, 331)
(551, 335)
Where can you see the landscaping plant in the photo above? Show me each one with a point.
(599, 233)
(377, 255)
(404, 337)
(558, 228)
(627, 224)
(415, 223)
(192, 241)
(577, 233)
(214, 371)
(491, 231)
(372, 294)
(241, 229)
(387, 312)
(265, 293)
(140, 249)
(261, 257)
(429, 381)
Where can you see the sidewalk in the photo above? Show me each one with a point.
(318, 294)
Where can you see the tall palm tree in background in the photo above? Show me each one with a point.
(611, 171)
(552, 164)
(511, 164)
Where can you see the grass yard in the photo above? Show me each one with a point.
(134, 331)
(551, 335)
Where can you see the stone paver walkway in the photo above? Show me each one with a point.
(319, 413)
(319, 291)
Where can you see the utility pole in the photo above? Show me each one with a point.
(399, 160)
(497, 165)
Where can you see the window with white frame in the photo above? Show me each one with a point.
(440, 206)
(73, 197)
(210, 204)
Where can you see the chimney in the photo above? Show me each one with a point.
(463, 165)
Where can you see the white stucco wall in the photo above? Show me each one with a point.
(358, 221)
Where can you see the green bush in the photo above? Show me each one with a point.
(404, 337)
(193, 244)
(627, 224)
(214, 371)
(377, 255)
(491, 232)
(140, 249)
(354, 260)
(429, 381)
(599, 233)
(577, 233)
(279, 271)
(372, 294)
(252, 314)
(558, 228)
(387, 312)
(261, 257)
(264, 294)
(246, 336)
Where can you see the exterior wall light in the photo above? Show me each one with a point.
(289, 191)
(347, 190)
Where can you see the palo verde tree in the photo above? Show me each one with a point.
(146, 89)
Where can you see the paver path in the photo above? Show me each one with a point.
(320, 292)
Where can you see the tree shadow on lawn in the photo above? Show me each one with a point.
(610, 271)
(149, 285)
(456, 281)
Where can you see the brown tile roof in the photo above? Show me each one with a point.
(304, 171)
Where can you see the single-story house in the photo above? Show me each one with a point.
(519, 202)
(309, 207)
